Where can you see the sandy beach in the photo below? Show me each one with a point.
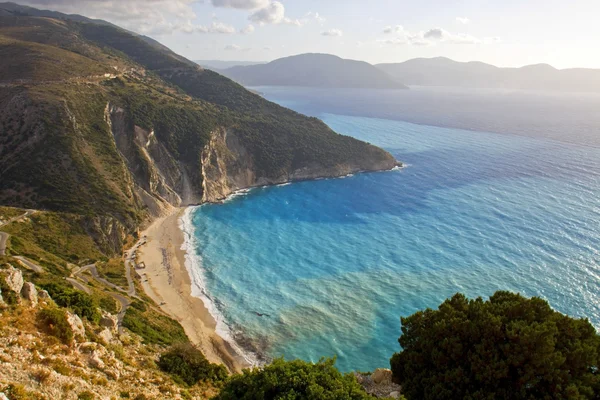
(166, 280)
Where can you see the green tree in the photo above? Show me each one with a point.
(188, 365)
(508, 347)
(294, 380)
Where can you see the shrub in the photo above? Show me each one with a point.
(87, 395)
(54, 321)
(187, 365)
(506, 347)
(294, 380)
(153, 327)
(81, 303)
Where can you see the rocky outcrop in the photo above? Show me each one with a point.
(109, 321)
(382, 376)
(227, 166)
(13, 278)
(379, 383)
(108, 232)
(76, 325)
(29, 293)
(160, 181)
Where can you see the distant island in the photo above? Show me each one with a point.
(325, 70)
(441, 71)
(313, 70)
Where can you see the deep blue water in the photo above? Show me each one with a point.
(334, 264)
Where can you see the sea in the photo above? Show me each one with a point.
(500, 191)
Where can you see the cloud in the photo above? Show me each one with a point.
(247, 30)
(235, 47)
(142, 16)
(313, 16)
(463, 20)
(393, 29)
(431, 37)
(274, 13)
(434, 34)
(241, 4)
(333, 33)
(394, 41)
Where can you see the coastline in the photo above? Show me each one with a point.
(166, 280)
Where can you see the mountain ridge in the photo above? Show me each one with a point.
(313, 70)
(99, 121)
(442, 71)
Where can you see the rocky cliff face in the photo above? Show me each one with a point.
(160, 181)
(227, 166)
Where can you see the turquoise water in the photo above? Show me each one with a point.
(332, 265)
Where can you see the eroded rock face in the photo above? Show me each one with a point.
(30, 293)
(13, 278)
(76, 325)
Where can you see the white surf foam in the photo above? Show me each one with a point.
(193, 264)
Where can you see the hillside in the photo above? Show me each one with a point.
(313, 70)
(441, 71)
(110, 125)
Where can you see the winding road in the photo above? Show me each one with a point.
(4, 236)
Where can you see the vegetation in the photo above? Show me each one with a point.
(79, 302)
(61, 235)
(293, 380)
(54, 322)
(508, 347)
(152, 326)
(11, 298)
(113, 270)
(188, 365)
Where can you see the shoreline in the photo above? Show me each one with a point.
(166, 280)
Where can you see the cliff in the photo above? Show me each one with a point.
(100, 122)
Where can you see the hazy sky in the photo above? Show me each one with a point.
(563, 33)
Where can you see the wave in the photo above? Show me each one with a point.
(193, 265)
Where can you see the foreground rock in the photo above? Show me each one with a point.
(29, 293)
(109, 321)
(76, 325)
(13, 278)
(379, 384)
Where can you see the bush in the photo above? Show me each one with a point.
(87, 395)
(188, 365)
(294, 380)
(54, 321)
(508, 347)
(153, 327)
(80, 303)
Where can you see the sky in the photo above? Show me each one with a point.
(507, 33)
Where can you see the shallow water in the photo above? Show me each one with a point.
(332, 265)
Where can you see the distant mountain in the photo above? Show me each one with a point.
(442, 71)
(218, 64)
(313, 70)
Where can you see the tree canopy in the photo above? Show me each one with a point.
(294, 380)
(507, 347)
